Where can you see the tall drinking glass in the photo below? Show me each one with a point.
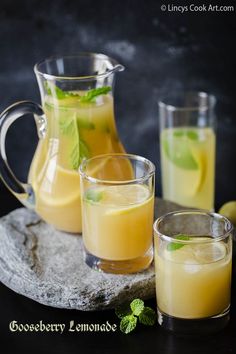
(117, 213)
(187, 145)
(193, 257)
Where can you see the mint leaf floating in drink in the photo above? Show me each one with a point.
(128, 324)
(148, 316)
(79, 149)
(176, 146)
(89, 96)
(191, 134)
(129, 314)
(92, 94)
(93, 195)
(173, 246)
(137, 306)
(85, 123)
(55, 91)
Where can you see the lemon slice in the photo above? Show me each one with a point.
(59, 187)
(124, 199)
(199, 175)
(176, 146)
(184, 150)
(209, 252)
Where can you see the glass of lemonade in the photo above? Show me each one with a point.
(193, 260)
(117, 212)
(187, 146)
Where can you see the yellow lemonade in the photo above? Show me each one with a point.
(188, 162)
(193, 281)
(117, 222)
(75, 130)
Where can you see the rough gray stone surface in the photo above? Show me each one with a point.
(47, 266)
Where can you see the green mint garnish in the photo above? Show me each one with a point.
(173, 246)
(93, 195)
(191, 134)
(130, 314)
(79, 149)
(55, 91)
(137, 306)
(91, 94)
(147, 316)
(84, 123)
(128, 324)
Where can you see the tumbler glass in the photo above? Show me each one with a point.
(193, 256)
(117, 213)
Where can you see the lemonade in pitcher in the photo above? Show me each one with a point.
(76, 129)
(76, 121)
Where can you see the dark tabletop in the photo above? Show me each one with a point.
(162, 51)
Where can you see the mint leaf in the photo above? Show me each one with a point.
(55, 91)
(123, 310)
(85, 123)
(128, 324)
(147, 316)
(91, 94)
(79, 149)
(172, 246)
(93, 195)
(191, 134)
(137, 306)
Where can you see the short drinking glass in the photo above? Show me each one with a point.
(117, 212)
(193, 254)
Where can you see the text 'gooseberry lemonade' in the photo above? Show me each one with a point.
(188, 162)
(80, 124)
(193, 280)
(117, 225)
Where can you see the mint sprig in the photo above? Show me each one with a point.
(148, 316)
(55, 91)
(92, 94)
(173, 246)
(131, 313)
(128, 324)
(79, 149)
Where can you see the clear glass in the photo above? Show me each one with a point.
(187, 146)
(117, 212)
(193, 261)
(76, 121)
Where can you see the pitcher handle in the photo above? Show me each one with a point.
(23, 191)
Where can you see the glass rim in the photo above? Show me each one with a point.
(116, 67)
(91, 179)
(192, 241)
(197, 107)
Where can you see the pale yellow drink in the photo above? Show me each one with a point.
(188, 166)
(193, 281)
(117, 222)
(75, 130)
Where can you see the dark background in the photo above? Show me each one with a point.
(162, 52)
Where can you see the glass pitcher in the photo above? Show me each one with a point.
(76, 121)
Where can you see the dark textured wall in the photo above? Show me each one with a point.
(161, 51)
